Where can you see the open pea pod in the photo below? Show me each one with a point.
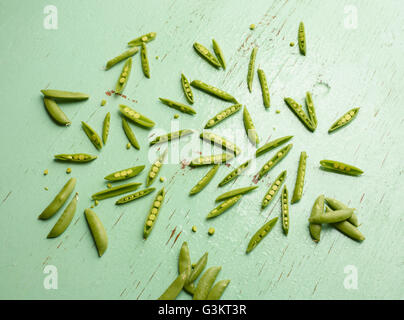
(261, 234)
(340, 167)
(136, 117)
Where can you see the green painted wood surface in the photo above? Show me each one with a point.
(343, 68)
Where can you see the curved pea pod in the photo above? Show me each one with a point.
(224, 206)
(155, 168)
(97, 230)
(65, 219)
(124, 76)
(273, 190)
(115, 191)
(145, 61)
(205, 180)
(59, 200)
(75, 157)
(142, 39)
(205, 283)
(213, 159)
(338, 205)
(195, 272)
(235, 192)
(105, 127)
(136, 117)
(261, 234)
(301, 172)
(153, 213)
(175, 288)
(135, 196)
(347, 228)
(222, 115)
(264, 88)
(317, 209)
(340, 167)
(285, 210)
(344, 120)
(249, 127)
(299, 112)
(60, 95)
(302, 39)
(124, 174)
(274, 160)
(332, 216)
(171, 136)
(235, 173)
(178, 106)
(209, 89)
(130, 134)
(122, 56)
(251, 68)
(187, 89)
(311, 110)
(92, 135)
(220, 141)
(219, 54)
(205, 53)
(272, 145)
(217, 291)
(55, 112)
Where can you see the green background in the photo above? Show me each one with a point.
(343, 68)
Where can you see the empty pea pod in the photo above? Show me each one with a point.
(122, 56)
(272, 145)
(222, 115)
(153, 213)
(175, 288)
(273, 190)
(301, 36)
(135, 196)
(142, 39)
(55, 112)
(251, 68)
(311, 110)
(178, 106)
(317, 209)
(155, 168)
(235, 173)
(124, 76)
(124, 174)
(97, 230)
(60, 95)
(115, 191)
(301, 172)
(65, 219)
(285, 210)
(59, 200)
(332, 216)
(195, 272)
(224, 206)
(264, 88)
(261, 234)
(219, 53)
(205, 180)
(171, 136)
(213, 159)
(235, 192)
(220, 141)
(136, 117)
(274, 160)
(206, 54)
(92, 135)
(217, 290)
(105, 127)
(145, 61)
(209, 89)
(249, 127)
(130, 134)
(340, 167)
(347, 229)
(299, 112)
(344, 120)
(338, 205)
(205, 283)
(187, 89)
(75, 157)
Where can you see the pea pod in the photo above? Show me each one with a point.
(124, 174)
(75, 157)
(332, 216)
(219, 54)
(205, 283)
(187, 89)
(136, 117)
(338, 205)
(249, 127)
(340, 167)
(195, 272)
(59, 200)
(205, 180)
(213, 159)
(301, 172)
(184, 261)
(264, 88)
(153, 213)
(55, 112)
(251, 68)
(220, 141)
(273, 190)
(65, 219)
(155, 168)
(178, 106)
(344, 120)
(115, 191)
(311, 110)
(317, 209)
(135, 196)
(217, 291)
(130, 134)
(92, 135)
(205, 53)
(97, 230)
(145, 61)
(235, 192)
(235, 173)
(261, 234)
(105, 127)
(224, 206)
(285, 210)
(60, 95)
(299, 112)
(222, 115)
(142, 39)
(274, 160)
(209, 89)
(347, 228)
(122, 56)
(124, 76)
(302, 39)
(175, 288)
(171, 136)
(272, 145)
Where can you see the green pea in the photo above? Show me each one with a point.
(273, 189)
(65, 219)
(97, 230)
(281, 154)
(155, 168)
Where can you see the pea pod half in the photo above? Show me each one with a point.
(261, 234)
(65, 219)
(97, 230)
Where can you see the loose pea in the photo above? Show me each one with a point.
(292, 44)
(211, 231)
(68, 170)
(46, 188)
(252, 26)
(128, 145)
(176, 116)
(103, 102)
(45, 172)
(162, 179)
(194, 229)
(96, 202)
(109, 185)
